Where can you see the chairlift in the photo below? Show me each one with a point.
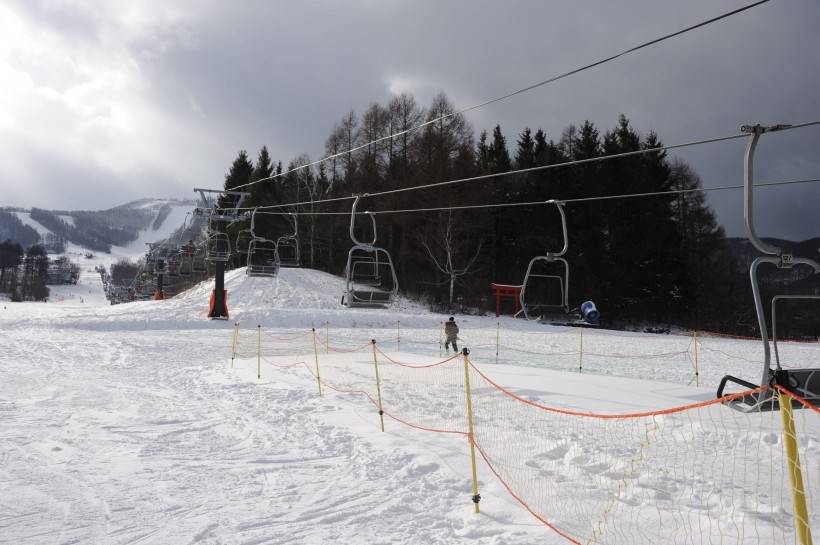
(370, 278)
(287, 246)
(243, 241)
(803, 382)
(545, 290)
(172, 264)
(199, 264)
(159, 263)
(245, 236)
(186, 261)
(262, 258)
(217, 244)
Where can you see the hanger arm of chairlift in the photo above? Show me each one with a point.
(353, 224)
(560, 206)
(776, 256)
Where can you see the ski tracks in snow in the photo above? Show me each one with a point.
(148, 437)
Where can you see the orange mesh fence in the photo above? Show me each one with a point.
(697, 473)
(429, 396)
(701, 473)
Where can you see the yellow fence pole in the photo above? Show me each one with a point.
(327, 337)
(801, 513)
(697, 357)
(470, 436)
(581, 350)
(378, 383)
(316, 358)
(398, 335)
(497, 335)
(234, 341)
(259, 351)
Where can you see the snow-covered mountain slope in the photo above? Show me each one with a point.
(164, 218)
(127, 424)
(173, 221)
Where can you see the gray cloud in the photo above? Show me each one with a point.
(165, 96)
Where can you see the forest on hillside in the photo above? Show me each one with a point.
(653, 260)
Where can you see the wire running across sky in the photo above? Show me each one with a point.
(533, 169)
(511, 94)
(777, 183)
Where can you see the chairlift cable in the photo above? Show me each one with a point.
(513, 93)
(539, 168)
(535, 203)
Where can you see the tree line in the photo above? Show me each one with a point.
(660, 259)
(23, 273)
(12, 228)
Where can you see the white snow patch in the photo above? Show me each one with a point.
(126, 424)
(25, 217)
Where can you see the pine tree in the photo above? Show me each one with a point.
(240, 171)
(483, 154)
(263, 168)
(499, 154)
(525, 154)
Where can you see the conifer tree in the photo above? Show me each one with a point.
(240, 171)
(525, 154)
(483, 154)
(499, 154)
(263, 168)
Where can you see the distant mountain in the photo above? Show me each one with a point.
(95, 230)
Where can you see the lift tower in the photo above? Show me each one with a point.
(221, 208)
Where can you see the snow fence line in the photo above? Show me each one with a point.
(689, 359)
(697, 473)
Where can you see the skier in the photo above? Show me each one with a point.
(451, 331)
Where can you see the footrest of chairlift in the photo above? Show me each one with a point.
(803, 382)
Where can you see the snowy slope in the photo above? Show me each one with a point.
(137, 248)
(89, 290)
(126, 424)
(25, 217)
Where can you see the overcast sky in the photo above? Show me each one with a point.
(102, 102)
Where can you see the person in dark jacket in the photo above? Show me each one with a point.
(451, 331)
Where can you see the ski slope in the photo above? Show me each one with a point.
(89, 289)
(127, 424)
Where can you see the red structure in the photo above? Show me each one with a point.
(506, 291)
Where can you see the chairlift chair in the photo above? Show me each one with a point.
(262, 258)
(540, 277)
(172, 264)
(803, 382)
(186, 264)
(159, 263)
(243, 241)
(199, 264)
(245, 236)
(370, 277)
(287, 246)
(217, 247)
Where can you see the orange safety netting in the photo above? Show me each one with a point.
(696, 473)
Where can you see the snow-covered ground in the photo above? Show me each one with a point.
(128, 424)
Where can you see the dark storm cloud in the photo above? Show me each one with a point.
(227, 76)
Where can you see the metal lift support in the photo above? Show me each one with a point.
(219, 219)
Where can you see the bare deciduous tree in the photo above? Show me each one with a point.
(449, 250)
